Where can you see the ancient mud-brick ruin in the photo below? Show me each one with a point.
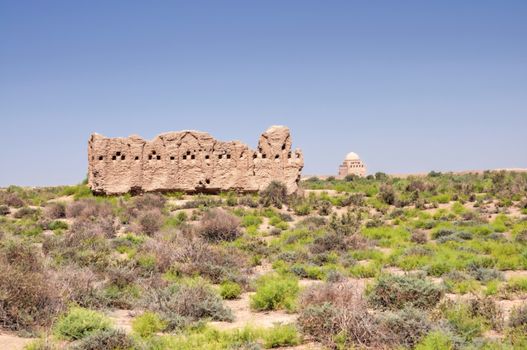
(191, 161)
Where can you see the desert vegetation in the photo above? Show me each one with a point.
(429, 263)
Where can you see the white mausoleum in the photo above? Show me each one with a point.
(352, 165)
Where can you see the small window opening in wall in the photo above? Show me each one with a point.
(153, 152)
(114, 157)
(276, 157)
(192, 157)
(118, 154)
(150, 157)
(101, 157)
(184, 156)
(283, 147)
(289, 155)
(264, 156)
(228, 156)
(220, 156)
(255, 156)
(158, 157)
(207, 156)
(188, 153)
(136, 158)
(207, 181)
(123, 157)
(172, 157)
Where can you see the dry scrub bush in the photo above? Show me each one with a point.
(149, 201)
(218, 225)
(27, 212)
(274, 194)
(405, 327)
(88, 207)
(518, 317)
(28, 293)
(194, 256)
(55, 211)
(151, 221)
(4, 210)
(333, 241)
(419, 237)
(336, 315)
(185, 302)
(11, 199)
(163, 250)
(488, 309)
(312, 223)
(114, 339)
(86, 243)
(79, 286)
(396, 292)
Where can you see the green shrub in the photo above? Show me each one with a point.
(57, 225)
(517, 285)
(281, 335)
(251, 220)
(436, 340)
(302, 209)
(462, 320)
(275, 292)
(230, 290)
(518, 316)
(148, 324)
(396, 292)
(80, 322)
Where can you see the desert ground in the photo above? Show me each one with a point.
(436, 261)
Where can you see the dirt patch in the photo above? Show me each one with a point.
(122, 319)
(515, 274)
(12, 342)
(62, 199)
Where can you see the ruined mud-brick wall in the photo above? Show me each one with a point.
(192, 161)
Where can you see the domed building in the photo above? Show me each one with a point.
(352, 165)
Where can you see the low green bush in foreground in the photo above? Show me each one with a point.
(80, 322)
(275, 292)
(230, 290)
(148, 324)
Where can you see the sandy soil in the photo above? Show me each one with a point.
(12, 342)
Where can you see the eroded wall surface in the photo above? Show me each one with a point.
(192, 161)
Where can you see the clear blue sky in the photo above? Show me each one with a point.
(409, 85)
